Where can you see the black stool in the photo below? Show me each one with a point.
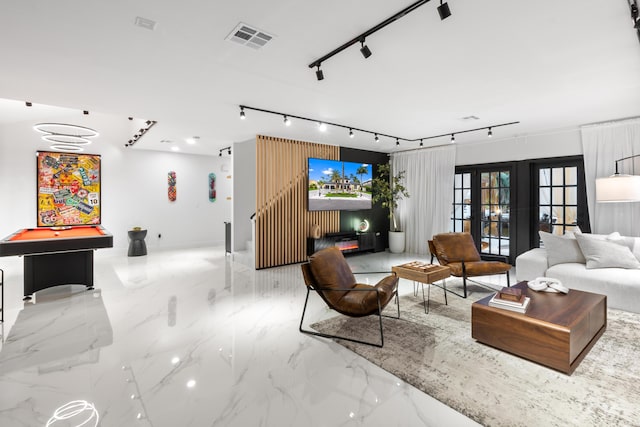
(137, 246)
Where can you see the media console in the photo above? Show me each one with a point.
(347, 242)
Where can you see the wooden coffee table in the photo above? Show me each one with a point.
(425, 274)
(557, 330)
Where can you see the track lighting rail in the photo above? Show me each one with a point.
(375, 133)
(367, 33)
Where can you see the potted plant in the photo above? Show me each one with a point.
(388, 190)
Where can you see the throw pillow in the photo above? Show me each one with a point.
(606, 253)
(561, 249)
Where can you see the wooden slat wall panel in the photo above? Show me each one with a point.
(282, 218)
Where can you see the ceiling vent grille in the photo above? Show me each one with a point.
(249, 36)
(470, 118)
(146, 23)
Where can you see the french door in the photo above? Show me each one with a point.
(482, 207)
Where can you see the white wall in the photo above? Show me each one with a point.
(244, 191)
(566, 142)
(134, 188)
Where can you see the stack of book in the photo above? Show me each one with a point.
(510, 299)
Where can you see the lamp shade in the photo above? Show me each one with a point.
(618, 188)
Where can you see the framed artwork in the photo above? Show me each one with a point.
(68, 189)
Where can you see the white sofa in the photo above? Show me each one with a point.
(620, 285)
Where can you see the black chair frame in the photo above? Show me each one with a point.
(465, 278)
(311, 287)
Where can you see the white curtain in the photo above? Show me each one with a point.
(429, 177)
(602, 145)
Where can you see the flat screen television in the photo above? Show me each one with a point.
(337, 185)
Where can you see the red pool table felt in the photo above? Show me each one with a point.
(51, 233)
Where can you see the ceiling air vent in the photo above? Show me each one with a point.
(145, 23)
(249, 36)
(470, 118)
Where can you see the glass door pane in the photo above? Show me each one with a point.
(461, 209)
(495, 212)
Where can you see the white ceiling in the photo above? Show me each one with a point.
(548, 64)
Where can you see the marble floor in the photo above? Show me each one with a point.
(192, 337)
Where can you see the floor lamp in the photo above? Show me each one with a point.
(618, 188)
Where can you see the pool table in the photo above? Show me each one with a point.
(57, 255)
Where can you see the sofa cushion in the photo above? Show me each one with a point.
(621, 286)
(561, 249)
(606, 253)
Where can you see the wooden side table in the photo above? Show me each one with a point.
(425, 274)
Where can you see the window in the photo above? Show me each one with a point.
(560, 201)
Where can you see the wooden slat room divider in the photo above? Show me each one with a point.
(282, 218)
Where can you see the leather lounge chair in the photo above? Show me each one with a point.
(328, 274)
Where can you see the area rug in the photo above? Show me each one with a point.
(435, 353)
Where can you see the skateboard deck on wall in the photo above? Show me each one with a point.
(171, 180)
(212, 187)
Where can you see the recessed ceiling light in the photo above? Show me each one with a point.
(174, 148)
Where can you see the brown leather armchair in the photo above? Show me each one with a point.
(458, 252)
(328, 274)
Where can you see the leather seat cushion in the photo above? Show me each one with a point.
(365, 301)
(331, 271)
(479, 268)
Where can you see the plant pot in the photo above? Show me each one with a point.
(396, 242)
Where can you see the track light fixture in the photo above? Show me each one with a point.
(364, 49)
(322, 126)
(141, 132)
(635, 14)
(242, 115)
(222, 150)
(28, 104)
(287, 122)
(85, 112)
(444, 11)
